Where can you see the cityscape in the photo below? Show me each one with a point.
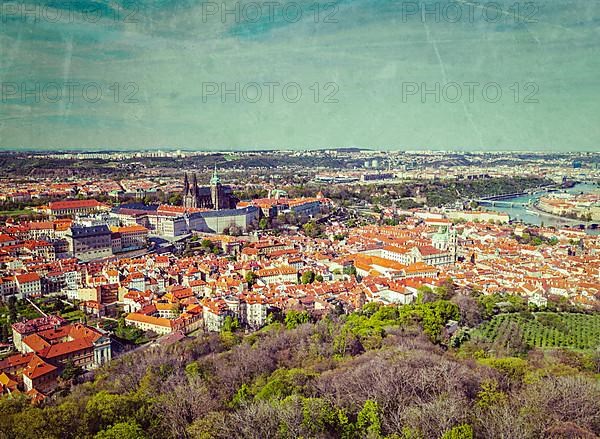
(123, 268)
(307, 219)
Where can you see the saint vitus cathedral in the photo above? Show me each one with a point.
(216, 196)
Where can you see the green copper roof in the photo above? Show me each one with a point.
(215, 177)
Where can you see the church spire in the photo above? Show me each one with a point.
(215, 177)
(186, 184)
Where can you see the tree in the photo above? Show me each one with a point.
(489, 395)
(350, 271)
(122, 430)
(368, 421)
(28, 424)
(513, 368)
(193, 369)
(60, 305)
(295, 318)
(446, 290)
(464, 431)
(251, 277)
(281, 218)
(4, 333)
(283, 383)
(426, 294)
(230, 324)
(207, 426)
(308, 277)
(175, 199)
(346, 342)
(71, 371)
(12, 309)
(312, 229)
(105, 409)
(470, 310)
(435, 315)
(263, 224)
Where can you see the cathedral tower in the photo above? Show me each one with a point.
(216, 191)
(190, 198)
(194, 191)
(216, 196)
(186, 185)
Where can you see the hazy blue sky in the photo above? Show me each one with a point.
(371, 60)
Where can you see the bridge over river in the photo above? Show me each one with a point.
(502, 203)
(522, 207)
(506, 200)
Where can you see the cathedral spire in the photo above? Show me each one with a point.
(215, 177)
(194, 185)
(186, 184)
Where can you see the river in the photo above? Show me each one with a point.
(525, 214)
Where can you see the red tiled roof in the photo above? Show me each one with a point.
(37, 368)
(28, 277)
(428, 250)
(35, 342)
(16, 360)
(279, 271)
(73, 204)
(67, 347)
(38, 324)
(6, 238)
(128, 229)
(142, 318)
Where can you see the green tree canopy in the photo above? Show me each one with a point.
(122, 430)
(308, 277)
(295, 318)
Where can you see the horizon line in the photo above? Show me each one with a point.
(166, 149)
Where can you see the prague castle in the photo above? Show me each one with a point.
(215, 197)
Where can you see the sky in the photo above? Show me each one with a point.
(238, 75)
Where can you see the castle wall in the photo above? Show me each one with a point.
(217, 221)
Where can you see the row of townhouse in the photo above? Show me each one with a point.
(210, 313)
(21, 286)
